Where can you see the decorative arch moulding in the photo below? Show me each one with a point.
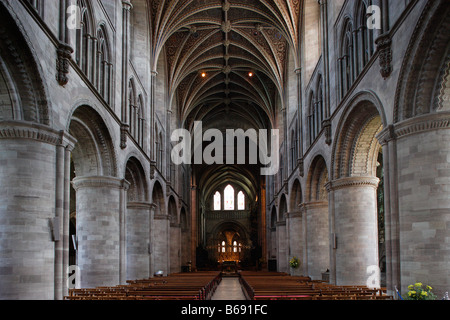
(419, 124)
(34, 131)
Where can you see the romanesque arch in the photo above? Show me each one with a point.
(137, 220)
(356, 156)
(21, 86)
(99, 196)
(315, 219)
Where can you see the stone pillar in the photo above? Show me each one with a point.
(423, 171)
(282, 257)
(355, 229)
(391, 221)
(161, 248)
(294, 221)
(138, 240)
(29, 205)
(100, 230)
(175, 247)
(194, 223)
(317, 238)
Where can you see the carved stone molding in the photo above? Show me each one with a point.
(301, 167)
(316, 204)
(280, 223)
(161, 217)
(352, 182)
(294, 214)
(386, 135)
(384, 47)
(326, 124)
(124, 129)
(429, 122)
(139, 205)
(35, 131)
(64, 52)
(152, 169)
(99, 182)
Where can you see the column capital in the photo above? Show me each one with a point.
(127, 5)
(294, 214)
(34, 131)
(352, 182)
(140, 205)
(423, 123)
(99, 182)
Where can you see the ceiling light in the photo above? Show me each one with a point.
(203, 74)
(250, 74)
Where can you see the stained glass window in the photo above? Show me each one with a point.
(217, 204)
(241, 201)
(229, 198)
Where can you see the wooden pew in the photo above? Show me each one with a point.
(181, 286)
(272, 286)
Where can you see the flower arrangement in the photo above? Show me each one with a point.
(294, 263)
(420, 292)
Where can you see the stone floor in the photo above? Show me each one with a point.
(229, 289)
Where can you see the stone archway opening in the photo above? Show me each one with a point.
(357, 191)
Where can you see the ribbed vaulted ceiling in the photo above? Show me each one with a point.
(226, 64)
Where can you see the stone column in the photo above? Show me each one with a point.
(29, 205)
(423, 171)
(161, 248)
(138, 240)
(194, 222)
(100, 230)
(282, 257)
(355, 229)
(60, 223)
(391, 221)
(175, 247)
(317, 238)
(295, 240)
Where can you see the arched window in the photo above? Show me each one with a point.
(347, 60)
(228, 196)
(83, 38)
(223, 247)
(132, 107)
(217, 201)
(140, 121)
(241, 201)
(311, 121)
(103, 72)
(365, 35)
(319, 112)
(294, 146)
(235, 246)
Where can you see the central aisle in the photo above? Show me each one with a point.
(229, 289)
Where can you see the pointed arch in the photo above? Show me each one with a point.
(228, 198)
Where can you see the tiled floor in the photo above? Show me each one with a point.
(229, 289)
